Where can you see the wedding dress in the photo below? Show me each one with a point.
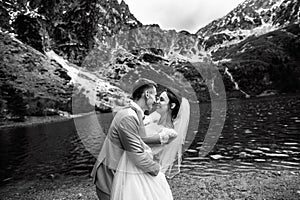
(131, 183)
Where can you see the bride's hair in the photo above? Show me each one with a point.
(173, 99)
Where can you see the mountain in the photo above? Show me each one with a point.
(252, 17)
(256, 45)
(250, 46)
(99, 48)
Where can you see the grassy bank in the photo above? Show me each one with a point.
(251, 185)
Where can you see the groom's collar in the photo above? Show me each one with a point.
(135, 105)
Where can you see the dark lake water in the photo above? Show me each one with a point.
(258, 134)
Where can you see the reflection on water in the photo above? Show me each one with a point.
(258, 134)
(35, 150)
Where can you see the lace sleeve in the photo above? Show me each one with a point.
(166, 135)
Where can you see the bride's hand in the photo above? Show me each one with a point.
(167, 135)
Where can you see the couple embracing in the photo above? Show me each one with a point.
(140, 151)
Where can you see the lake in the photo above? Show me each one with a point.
(261, 133)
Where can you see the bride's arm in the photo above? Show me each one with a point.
(165, 136)
(153, 139)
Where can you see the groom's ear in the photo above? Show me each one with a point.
(147, 94)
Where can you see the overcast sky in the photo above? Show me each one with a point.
(180, 15)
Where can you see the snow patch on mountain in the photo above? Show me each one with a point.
(89, 83)
(252, 17)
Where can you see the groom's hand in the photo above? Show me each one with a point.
(154, 173)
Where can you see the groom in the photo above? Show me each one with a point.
(123, 135)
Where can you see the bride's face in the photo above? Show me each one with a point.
(162, 106)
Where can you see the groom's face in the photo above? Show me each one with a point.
(150, 97)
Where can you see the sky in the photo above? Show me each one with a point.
(188, 15)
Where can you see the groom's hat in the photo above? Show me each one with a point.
(141, 82)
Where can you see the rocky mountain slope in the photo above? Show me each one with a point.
(68, 27)
(267, 62)
(252, 17)
(257, 43)
(30, 83)
(175, 61)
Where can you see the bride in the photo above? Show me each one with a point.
(163, 136)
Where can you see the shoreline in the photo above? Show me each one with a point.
(34, 121)
(238, 185)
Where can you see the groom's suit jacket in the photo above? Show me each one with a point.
(123, 135)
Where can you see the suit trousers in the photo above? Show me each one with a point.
(101, 195)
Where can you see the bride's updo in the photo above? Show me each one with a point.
(173, 99)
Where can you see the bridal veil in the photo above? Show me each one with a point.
(171, 156)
